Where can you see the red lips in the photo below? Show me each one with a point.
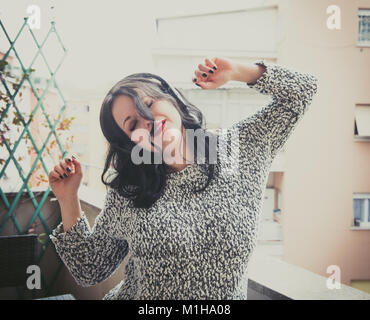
(159, 126)
(163, 123)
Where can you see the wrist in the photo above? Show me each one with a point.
(68, 199)
(237, 72)
(248, 73)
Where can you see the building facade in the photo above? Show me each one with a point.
(319, 185)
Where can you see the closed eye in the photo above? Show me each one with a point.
(133, 128)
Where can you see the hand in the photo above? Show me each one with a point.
(217, 72)
(65, 187)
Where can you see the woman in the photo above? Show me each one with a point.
(187, 228)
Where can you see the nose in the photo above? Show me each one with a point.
(149, 125)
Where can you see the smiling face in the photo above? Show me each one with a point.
(167, 131)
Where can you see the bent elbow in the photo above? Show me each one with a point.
(310, 88)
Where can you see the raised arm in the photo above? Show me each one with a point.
(291, 93)
(92, 255)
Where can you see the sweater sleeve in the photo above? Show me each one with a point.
(92, 255)
(291, 93)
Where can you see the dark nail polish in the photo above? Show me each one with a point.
(210, 71)
(61, 177)
(68, 169)
(65, 175)
(198, 84)
(204, 75)
(215, 68)
(69, 160)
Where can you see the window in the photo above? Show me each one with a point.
(364, 27)
(361, 210)
(362, 121)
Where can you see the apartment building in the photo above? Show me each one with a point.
(318, 191)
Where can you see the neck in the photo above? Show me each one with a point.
(185, 156)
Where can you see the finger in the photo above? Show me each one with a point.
(206, 69)
(60, 169)
(53, 179)
(206, 85)
(68, 161)
(55, 175)
(201, 75)
(211, 63)
(77, 164)
(195, 80)
(196, 83)
(68, 165)
(65, 167)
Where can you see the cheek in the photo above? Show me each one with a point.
(170, 112)
(142, 139)
(176, 120)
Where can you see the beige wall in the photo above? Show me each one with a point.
(324, 166)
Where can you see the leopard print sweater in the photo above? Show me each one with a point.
(191, 245)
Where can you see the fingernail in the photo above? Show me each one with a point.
(215, 68)
(69, 160)
(61, 177)
(194, 79)
(198, 85)
(68, 169)
(204, 75)
(65, 175)
(210, 71)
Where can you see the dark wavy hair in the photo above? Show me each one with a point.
(144, 183)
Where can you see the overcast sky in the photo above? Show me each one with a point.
(106, 40)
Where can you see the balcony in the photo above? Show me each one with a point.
(270, 278)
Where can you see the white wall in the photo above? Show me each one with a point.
(253, 30)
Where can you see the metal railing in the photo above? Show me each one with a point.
(12, 107)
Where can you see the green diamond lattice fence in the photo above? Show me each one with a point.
(11, 106)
